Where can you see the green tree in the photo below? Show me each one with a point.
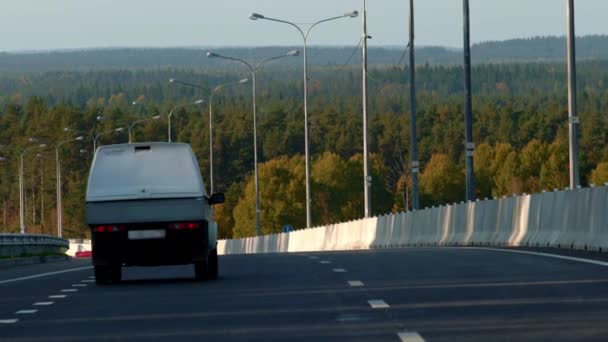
(441, 182)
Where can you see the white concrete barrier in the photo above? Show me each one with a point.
(78, 245)
(568, 219)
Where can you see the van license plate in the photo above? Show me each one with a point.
(147, 234)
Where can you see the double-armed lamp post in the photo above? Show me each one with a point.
(304, 34)
(213, 92)
(156, 117)
(96, 137)
(22, 185)
(253, 70)
(59, 196)
(197, 102)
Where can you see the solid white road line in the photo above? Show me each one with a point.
(58, 296)
(9, 321)
(43, 303)
(408, 336)
(355, 283)
(79, 285)
(69, 290)
(378, 304)
(339, 270)
(44, 274)
(325, 262)
(23, 312)
(556, 256)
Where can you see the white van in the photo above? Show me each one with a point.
(147, 205)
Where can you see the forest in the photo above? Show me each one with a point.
(520, 131)
(548, 49)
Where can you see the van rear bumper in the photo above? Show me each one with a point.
(177, 247)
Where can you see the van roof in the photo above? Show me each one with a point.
(144, 171)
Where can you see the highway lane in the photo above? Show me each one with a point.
(439, 294)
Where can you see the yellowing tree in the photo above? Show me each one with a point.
(441, 182)
(282, 198)
(600, 174)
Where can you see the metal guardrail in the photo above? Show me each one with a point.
(14, 245)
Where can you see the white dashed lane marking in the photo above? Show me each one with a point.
(44, 274)
(378, 304)
(339, 270)
(355, 283)
(69, 290)
(43, 303)
(58, 296)
(325, 262)
(313, 257)
(408, 336)
(87, 281)
(26, 312)
(9, 321)
(79, 285)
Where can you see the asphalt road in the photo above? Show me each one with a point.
(438, 294)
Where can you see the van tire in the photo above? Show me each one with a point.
(213, 265)
(102, 275)
(201, 270)
(106, 274)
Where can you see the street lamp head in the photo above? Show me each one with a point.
(256, 16)
(135, 103)
(199, 101)
(156, 117)
(32, 140)
(172, 80)
(119, 129)
(79, 138)
(99, 117)
(244, 80)
(352, 14)
(39, 155)
(67, 129)
(293, 53)
(212, 54)
(42, 145)
(83, 151)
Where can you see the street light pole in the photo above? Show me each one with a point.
(58, 176)
(156, 117)
(22, 187)
(41, 158)
(573, 119)
(253, 71)
(256, 16)
(96, 138)
(215, 90)
(173, 110)
(415, 166)
(367, 179)
(468, 107)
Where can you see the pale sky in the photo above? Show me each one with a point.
(68, 24)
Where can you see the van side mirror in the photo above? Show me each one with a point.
(216, 198)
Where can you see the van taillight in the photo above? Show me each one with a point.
(184, 225)
(108, 229)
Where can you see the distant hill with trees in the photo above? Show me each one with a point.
(516, 50)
